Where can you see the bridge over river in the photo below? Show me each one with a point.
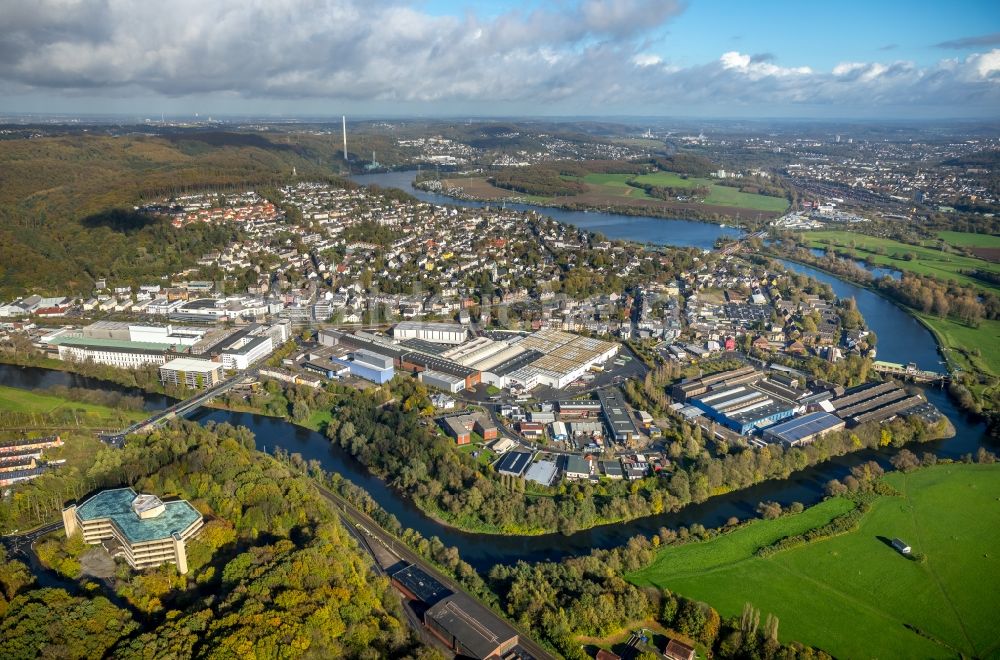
(179, 409)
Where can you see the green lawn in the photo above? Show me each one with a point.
(853, 595)
(928, 260)
(967, 239)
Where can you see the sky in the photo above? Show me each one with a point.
(386, 58)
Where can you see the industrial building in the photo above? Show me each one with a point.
(690, 388)
(565, 358)
(513, 464)
(548, 357)
(579, 408)
(743, 408)
(442, 381)
(803, 430)
(193, 373)
(542, 472)
(244, 350)
(460, 427)
(143, 529)
(416, 584)
(576, 468)
(438, 333)
(122, 354)
(874, 402)
(368, 365)
(469, 629)
(616, 416)
(465, 626)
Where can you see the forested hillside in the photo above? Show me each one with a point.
(272, 573)
(56, 194)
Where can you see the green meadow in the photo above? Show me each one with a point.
(853, 595)
(926, 260)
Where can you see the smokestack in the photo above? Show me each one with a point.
(344, 119)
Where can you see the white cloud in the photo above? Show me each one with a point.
(755, 70)
(590, 56)
(987, 65)
(646, 59)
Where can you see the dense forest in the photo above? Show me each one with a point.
(272, 574)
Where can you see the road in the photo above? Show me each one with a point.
(19, 544)
(180, 408)
(353, 517)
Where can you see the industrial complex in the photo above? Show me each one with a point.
(442, 355)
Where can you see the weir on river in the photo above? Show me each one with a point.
(901, 339)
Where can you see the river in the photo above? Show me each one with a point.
(643, 229)
(901, 339)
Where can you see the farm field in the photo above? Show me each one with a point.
(984, 246)
(966, 239)
(928, 261)
(853, 595)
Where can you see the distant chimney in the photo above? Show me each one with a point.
(344, 120)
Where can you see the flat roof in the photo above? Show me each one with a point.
(428, 347)
(577, 464)
(515, 462)
(542, 472)
(758, 412)
(116, 505)
(438, 364)
(430, 325)
(113, 344)
(420, 584)
(191, 364)
(512, 364)
(806, 426)
(476, 628)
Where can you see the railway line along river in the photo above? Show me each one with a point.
(901, 339)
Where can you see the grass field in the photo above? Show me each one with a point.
(966, 239)
(928, 260)
(613, 189)
(718, 195)
(25, 401)
(972, 348)
(853, 595)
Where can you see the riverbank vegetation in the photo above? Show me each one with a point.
(272, 573)
(388, 430)
(933, 258)
(863, 598)
(600, 595)
(964, 318)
